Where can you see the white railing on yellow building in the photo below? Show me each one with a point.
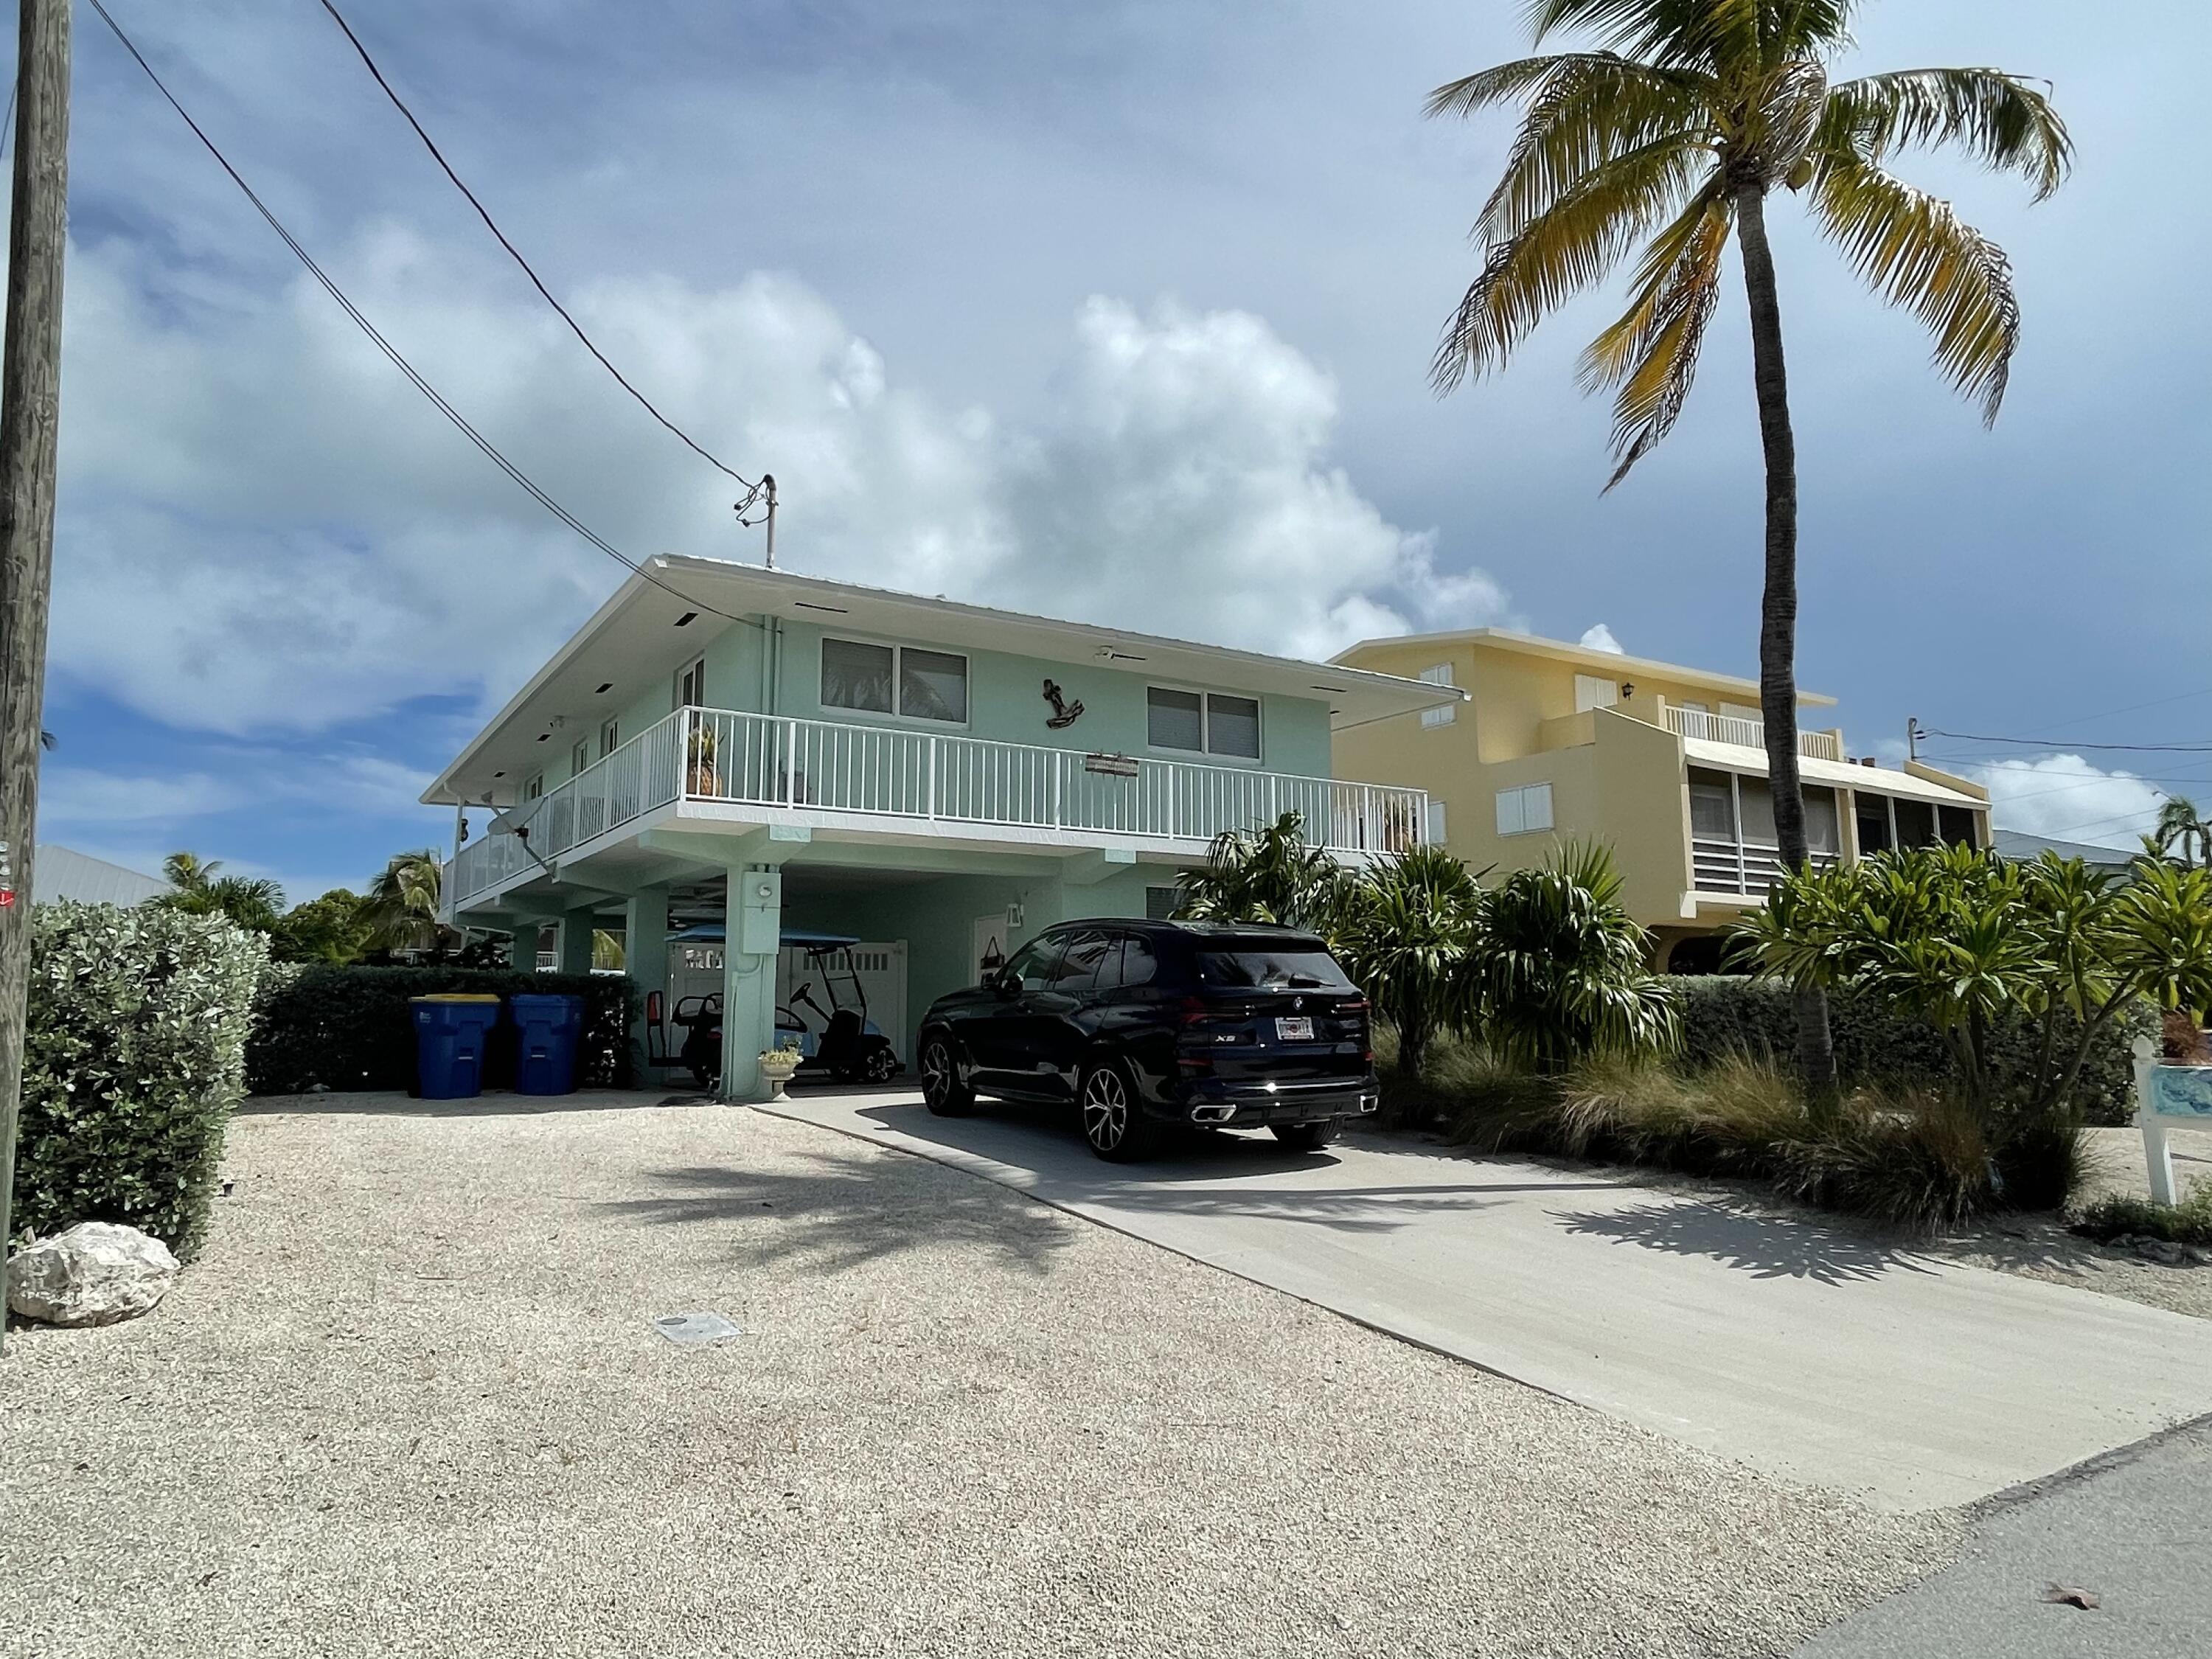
(1747, 734)
(1742, 867)
(820, 766)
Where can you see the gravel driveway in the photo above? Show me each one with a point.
(411, 1403)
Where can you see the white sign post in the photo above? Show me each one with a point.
(2166, 1095)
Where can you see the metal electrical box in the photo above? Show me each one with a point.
(760, 911)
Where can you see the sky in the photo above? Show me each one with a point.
(1064, 309)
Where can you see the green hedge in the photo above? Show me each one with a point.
(133, 1057)
(350, 1028)
(1723, 1014)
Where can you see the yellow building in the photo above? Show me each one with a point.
(1665, 764)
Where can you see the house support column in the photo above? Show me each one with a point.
(754, 925)
(645, 959)
(575, 949)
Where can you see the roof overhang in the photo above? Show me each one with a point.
(1839, 775)
(1614, 664)
(634, 635)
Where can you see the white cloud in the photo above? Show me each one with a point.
(2066, 798)
(270, 530)
(73, 796)
(1599, 637)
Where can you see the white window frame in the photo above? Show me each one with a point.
(1445, 714)
(609, 737)
(1205, 694)
(896, 648)
(1513, 820)
(1439, 826)
(534, 789)
(579, 757)
(696, 671)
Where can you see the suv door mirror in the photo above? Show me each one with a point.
(1007, 983)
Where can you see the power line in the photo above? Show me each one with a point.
(522, 480)
(2045, 742)
(515, 253)
(2132, 708)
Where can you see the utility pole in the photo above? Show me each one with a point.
(30, 418)
(1912, 738)
(768, 484)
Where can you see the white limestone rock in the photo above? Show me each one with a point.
(95, 1273)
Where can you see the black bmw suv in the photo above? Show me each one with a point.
(1144, 1024)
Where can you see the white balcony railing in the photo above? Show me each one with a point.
(1747, 734)
(1735, 866)
(818, 766)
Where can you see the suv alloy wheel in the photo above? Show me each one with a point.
(942, 1091)
(1113, 1122)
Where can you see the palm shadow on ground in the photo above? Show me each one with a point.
(1764, 1246)
(842, 1211)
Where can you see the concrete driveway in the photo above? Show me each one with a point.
(1807, 1351)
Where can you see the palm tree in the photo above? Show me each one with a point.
(2181, 823)
(1672, 135)
(402, 903)
(1405, 931)
(1561, 972)
(1270, 874)
(253, 902)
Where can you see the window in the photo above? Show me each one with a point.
(1440, 675)
(535, 788)
(1741, 711)
(1141, 964)
(1916, 823)
(579, 757)
(1712, 806)
(1438, 833)
(1175, 719)
(1035, 963)
(1202, 723)
(1258, 967)
(610, 738)
(691, 684)
(1823, 834)
(857, 676)
(1694, 707)
(933, 685)
(1872, 815)
(902, 679)
(1525, 809)
(1594, 691)
(1160, 902)
(1088, 952)
(1956, 825)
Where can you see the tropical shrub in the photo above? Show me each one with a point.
(1964, 940)
(1876, 1045)
(133, 1057)
(1272, 874)
(350, 1028)
(1558, 971)
(1405, 933)
(2122, 1215)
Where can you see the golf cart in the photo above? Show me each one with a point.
(831, 1030)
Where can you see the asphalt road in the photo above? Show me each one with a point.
(2134, 1530)
(1807, 1351)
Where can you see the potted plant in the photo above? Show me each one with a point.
(777, 1066)
(700, 777)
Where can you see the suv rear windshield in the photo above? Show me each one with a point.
(1249, 965)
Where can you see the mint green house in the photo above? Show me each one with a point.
(768, 752)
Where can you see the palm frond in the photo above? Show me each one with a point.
(1915, 250)
(1497, 85)
(1999, 119)
(1651, 353)
(1568, 249)
(1590, 110)
(1708, 32)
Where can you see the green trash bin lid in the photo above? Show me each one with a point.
(457, 996)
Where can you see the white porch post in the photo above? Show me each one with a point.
(645, 958)
(753, 922)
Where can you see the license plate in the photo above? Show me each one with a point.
(1294, 1031)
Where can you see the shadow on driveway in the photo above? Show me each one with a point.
(1766, 1246)
(842, 1211)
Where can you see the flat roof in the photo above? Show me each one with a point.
(629, 637)
(1536, 645)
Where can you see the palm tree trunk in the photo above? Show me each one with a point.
(1778, 613)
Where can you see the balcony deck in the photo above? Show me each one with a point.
(1741, 733)
(819, 771)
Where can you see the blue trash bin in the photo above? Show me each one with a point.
(547, 1030)
(449, 1033)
